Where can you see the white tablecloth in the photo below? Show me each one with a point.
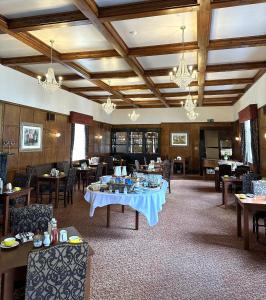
(148, 203)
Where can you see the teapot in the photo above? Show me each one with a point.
(118, 171)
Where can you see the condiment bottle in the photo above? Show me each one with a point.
(54, 235)
(46, 240)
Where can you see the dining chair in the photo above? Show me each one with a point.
(241, 170)
(137, 165)
(58, 272)
(110, 165)
(167, 166)
(22, 180)
(259, 188)
(224, 169)
(30, 218)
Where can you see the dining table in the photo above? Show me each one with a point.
(227, 182)
(83, 172)
(149, 202)
(53, 180)
(12, 260)
(6, 197)
(247, 205)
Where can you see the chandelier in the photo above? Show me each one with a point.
(108, 106)
(133, 116)
(50, 82)
(189, 104)
(183, 75)
(192, 115)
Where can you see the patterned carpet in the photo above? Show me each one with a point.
(193, 253)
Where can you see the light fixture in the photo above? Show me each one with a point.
(183, 75)
(237, 138)
(50, 82)
(108, 106)
(98, 137)
(133, 116)
(189, 104)
(192, 115)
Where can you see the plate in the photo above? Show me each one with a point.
(29, 236)
(75, 240)
(9, 247)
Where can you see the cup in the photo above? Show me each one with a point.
(62, 236)
(9, 187)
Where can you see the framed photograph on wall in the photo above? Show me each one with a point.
(30, 137)
(179, 139)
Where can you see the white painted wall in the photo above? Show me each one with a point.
(160, 115)
(255, 95)
(18, 88)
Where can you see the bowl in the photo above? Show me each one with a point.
(8, 242)
(74, 239)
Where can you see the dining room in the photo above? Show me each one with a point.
(132, 149)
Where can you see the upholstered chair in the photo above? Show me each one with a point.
(58, 272)
(247, 186)
(30, 218)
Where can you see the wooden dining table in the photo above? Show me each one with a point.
(54, 180)
(11, 260)
(226, 183)
(5, 198)
(247, 205)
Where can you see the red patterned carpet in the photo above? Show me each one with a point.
(193, 253)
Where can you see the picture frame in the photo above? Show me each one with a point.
(31, 136)
(179, 139)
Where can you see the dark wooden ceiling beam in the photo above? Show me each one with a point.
(47, 21)
(145, 9)
(90, 10)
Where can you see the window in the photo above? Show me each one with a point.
(152, 142)
(248, 148)
(119, 142)
(79, 148)
(135, 145)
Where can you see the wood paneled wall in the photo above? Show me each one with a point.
(262, 141)
(54, 149)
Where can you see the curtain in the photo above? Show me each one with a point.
(72, 141)
(255, 141)
(87, 140)
(243, 142)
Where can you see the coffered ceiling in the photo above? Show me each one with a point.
(126, 49)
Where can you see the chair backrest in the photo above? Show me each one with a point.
(58, 272)
(84, 161)
(110, 161)
(167, 170)
(30, 218)
(224, 170)
(137, 165)
(99, 171)
(241, 170)
(247, 187)
(22, 180)
(259, 187)
(71, 179)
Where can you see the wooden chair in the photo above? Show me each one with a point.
(57, 273)
(167, 168)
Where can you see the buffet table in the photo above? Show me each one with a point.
(149, 202)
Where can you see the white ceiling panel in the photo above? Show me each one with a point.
(161, 79)
(180, 98)
(139, 92)
(220, 96)
(75, 38)
(166, 61)
(225, 87)
(41, 69)
(144, 99)
(157, 30)
(237, 55)
(246, 20)
(102, 3)
(179, 90)
(24, 8)
(232, 74)
(104, 64)
(124, 81)
(99, 93)
(10, 47)
(78, 83)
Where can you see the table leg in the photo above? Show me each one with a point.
(56, 192)
(225, 189)
(108, 216)
(7, 285)
(37, 191)
(79, 179)
(246, 227)
(123, 208)
(6, 215)
(137, 221)
(238, 219)
(184, 168)
(28, 197)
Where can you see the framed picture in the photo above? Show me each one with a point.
(179, 139)
(30, 137)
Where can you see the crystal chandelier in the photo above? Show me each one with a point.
(133, 116)
(50, 82)
(183, 75)
(108, 106)
(189, 104)
(192, 115)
